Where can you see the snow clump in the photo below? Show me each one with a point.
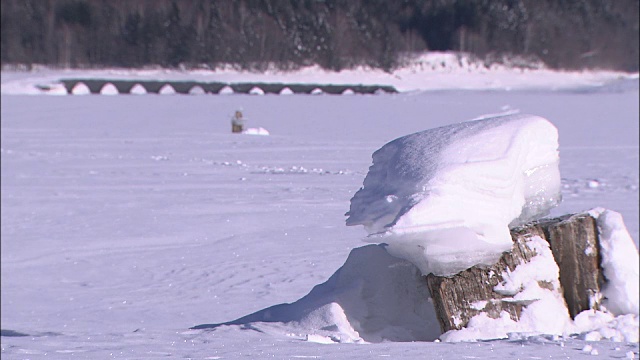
(445, 198)
(256, 131)
(620, 263)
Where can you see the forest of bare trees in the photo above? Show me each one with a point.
(334, 34)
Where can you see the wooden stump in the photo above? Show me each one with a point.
(575, 246)
(574, 243)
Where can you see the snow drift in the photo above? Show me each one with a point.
(620, 263)
(444, 198)
(373, 297)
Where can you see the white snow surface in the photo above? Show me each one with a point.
(127, 220)
(620, 263)
(444, 198)
(256, 131)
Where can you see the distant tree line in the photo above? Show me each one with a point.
(335, 34)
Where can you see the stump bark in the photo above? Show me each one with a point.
(576, 249)
(573, 240)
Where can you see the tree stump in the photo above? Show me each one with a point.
(574, 243)
(575, 246)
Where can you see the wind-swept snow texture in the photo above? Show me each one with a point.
(444, 198)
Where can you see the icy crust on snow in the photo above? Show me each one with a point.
(444, 198)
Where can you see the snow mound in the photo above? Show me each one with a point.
(197, 90)
(226, 90)
(80, 89)
(167, 89)
(138, 89)
(445, 198)
(256, 131)
(109, 89)
(373, 297)
(600, 325)
(620, 263)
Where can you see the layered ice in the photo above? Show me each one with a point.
(445, 198)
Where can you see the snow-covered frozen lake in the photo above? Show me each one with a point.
(126, 220)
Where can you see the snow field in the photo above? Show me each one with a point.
(128, 220)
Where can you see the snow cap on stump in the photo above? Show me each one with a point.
(445, 198)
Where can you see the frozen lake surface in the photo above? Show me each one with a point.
(126, 220)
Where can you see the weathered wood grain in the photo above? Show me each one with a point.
(575, 246)
(574, 243)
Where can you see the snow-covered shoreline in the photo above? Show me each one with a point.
(429, 72)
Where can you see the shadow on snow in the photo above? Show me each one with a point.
(373, 297)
